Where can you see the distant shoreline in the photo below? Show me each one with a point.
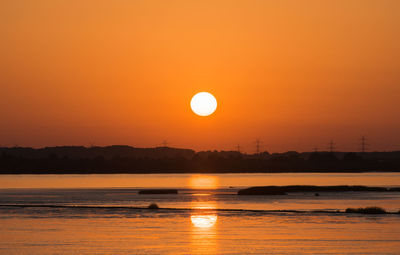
(121, 159)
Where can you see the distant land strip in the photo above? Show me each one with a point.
(130, 160)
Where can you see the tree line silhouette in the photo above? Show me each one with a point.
(126, 159)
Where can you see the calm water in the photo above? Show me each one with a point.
(201, 219)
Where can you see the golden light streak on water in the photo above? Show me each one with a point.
(203, 182)
(204, 228)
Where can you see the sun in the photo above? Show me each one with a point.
(203, 104)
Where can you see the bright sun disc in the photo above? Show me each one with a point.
(203, 104)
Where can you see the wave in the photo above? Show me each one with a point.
(326, 211)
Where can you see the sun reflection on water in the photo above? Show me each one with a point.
(203, 221)
(199, 181)
(204, 226)
(204, 233)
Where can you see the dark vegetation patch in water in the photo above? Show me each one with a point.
(153, 206)
(157, 191)
(367, 210)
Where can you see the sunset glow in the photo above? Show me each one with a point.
(84, 73)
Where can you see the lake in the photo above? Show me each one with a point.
(102, 214)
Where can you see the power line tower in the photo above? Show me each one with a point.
(363, 144)
(238, 148)
(331, 146)
(258, 146)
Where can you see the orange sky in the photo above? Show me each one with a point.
(294, 74)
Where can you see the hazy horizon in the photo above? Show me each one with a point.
(251, 151)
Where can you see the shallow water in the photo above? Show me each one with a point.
(195, 181)
(201, 219)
